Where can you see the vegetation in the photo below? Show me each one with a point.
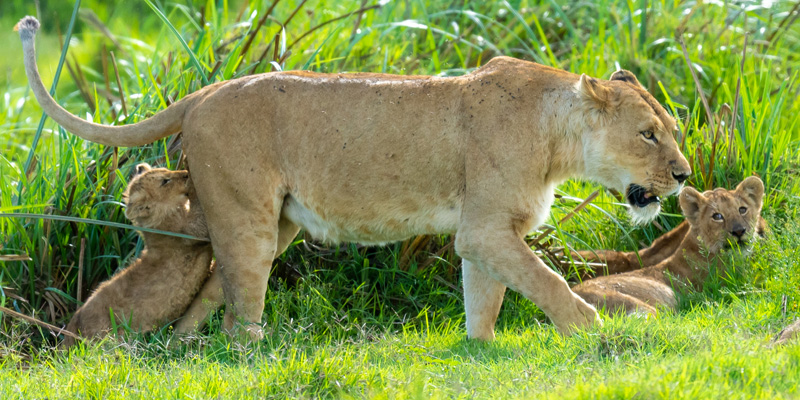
(388, 322)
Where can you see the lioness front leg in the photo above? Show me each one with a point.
(503, 255)
(483, 296)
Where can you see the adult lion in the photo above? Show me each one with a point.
(375, 158)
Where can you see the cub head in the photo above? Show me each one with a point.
(720, 217)
(629, 144)
(155, 194)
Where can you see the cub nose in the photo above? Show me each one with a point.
(738, 231)
(681, 177)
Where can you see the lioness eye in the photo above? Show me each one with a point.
(717, 217)
(164, 182)
(649, 135)
(743, 210)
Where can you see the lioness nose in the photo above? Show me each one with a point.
(681, 177)
(738, 231)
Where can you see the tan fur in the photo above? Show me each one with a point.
(615, 262)
(375, 158)
(644, 290)
(789, 334)
(157, 287)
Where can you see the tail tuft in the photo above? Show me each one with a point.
(27, 27)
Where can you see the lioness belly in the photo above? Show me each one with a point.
(393, 226)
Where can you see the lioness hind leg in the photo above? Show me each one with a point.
(483, 296)
(244, 235)
(210, 297)
(504, 256)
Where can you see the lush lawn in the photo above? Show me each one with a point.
(388, 322)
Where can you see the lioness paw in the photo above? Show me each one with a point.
(578, 317)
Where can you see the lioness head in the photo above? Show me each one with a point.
(631, 147)
(155, 194)
(721, 217)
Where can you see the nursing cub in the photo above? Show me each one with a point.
(714, 219)
(161, 284)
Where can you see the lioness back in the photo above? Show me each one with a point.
(160, 284)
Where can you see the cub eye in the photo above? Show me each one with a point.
(164, 182)
(743, 210)
(718, 216)
(649, 135)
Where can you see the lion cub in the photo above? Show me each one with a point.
(713, 219)
(159, 286)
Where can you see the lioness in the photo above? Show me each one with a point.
(714, 218)
(376, 158)
(159, 286)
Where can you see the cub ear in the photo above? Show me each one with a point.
(752, 188)
(691, 201)
(142, 168)
(625, 76)
(137, 213)
(136, 205)
(601, 97)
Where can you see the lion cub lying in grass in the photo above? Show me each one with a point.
(159, 286)
(713, 220)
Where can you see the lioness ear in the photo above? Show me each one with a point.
(625, 76)
(691, 200)
(752, 188)
(142, 168)
(600, 96)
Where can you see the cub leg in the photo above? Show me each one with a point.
(615, 302)
(483, 296)
(210, 296)
(619, 261)
(503, 255)
(663, 247)
(614, 262)
(207, 300)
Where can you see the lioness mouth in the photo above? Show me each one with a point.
(638, 196)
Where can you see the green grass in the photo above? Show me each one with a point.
(717, 347)
(388, 322)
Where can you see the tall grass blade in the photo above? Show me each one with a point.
(201, 71)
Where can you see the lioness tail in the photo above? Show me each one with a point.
(160, 125)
